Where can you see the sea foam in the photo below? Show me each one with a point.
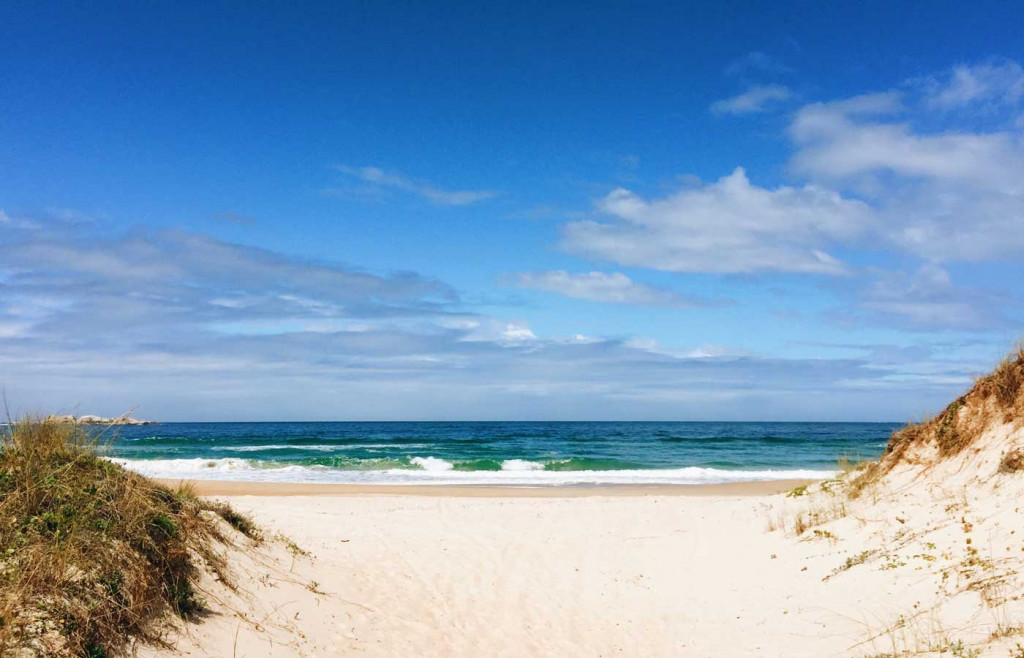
(432, 464)
(521, 465)
(432, 470)
(323, 447)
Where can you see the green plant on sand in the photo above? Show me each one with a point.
(92, 556)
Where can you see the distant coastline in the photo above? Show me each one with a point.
(101, 420)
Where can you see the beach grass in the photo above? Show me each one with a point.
(94, 558)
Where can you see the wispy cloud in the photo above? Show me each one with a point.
(927, 298)
(616, 288)
(756, 99)
(162, 282)
(997, 82)
(380, 178)
(235, 218)
(756, 62)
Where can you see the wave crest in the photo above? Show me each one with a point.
(432, 470)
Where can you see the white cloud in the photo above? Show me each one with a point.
(383, 179)
(755, 99)
(927, 298)
(723, 227)
(994, 83)
(838, 141)
(494, 330)
(16, 222)
(946, 196)
(705, 351)
(601, 287)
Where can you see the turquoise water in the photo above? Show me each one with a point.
(523, 453)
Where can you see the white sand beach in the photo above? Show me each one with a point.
(463, 573)
(437, 574)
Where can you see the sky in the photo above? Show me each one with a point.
(508, 211)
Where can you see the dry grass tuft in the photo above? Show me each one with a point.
(862, 478)
(92, 557)
(240, 522)
(1012, 462)
(1005, 383)
(800, 524)
(949, 435)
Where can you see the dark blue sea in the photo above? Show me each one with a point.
(510, 453)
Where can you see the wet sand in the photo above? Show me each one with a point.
(226, 488)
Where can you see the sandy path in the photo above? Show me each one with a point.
(596, 575)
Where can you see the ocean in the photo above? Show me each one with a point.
(497, 453)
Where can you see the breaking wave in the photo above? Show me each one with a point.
(433, 470)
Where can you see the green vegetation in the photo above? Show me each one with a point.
(797, 491)
(92, 556)
(859, 558)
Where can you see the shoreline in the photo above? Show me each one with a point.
(282, 489)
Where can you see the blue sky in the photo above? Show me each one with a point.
(532, 211)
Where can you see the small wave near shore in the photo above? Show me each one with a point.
(432, 470)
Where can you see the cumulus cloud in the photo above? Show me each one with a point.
(845, 140)
(755, 99)
(727, 226)
(872, 179)
(382, 179)
(946, 196)
(615, 288)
